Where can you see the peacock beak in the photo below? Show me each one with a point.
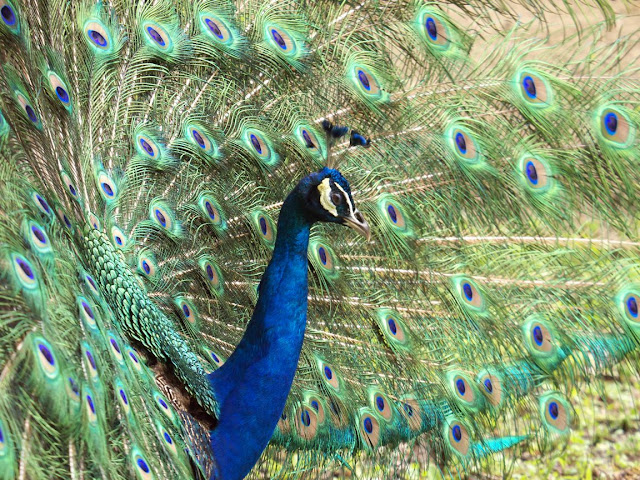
(359, 224)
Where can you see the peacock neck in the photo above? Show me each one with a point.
(253, 385)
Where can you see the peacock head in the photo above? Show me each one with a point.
(328, 199)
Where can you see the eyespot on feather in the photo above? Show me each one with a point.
(41, 204)
(60, 89)
(469, 294)
(534, 89)
(306, 422)
(24, 272)
(412, 412)
(10, 16)
(265, 227)
(107, 187)
(457, 436)
(380, 404)
(98, 36)
(86, 313)
(536, 174)
(216, 29)
(539, 338)
(157, 36)
(556, 412)
(146, 146)
(433, 30)
(491, 387)
(71, 188)
(280, 40)
(369, 429)
(140, 465)
(45, 358)
(463, 144)
(615, 127)
(329, 376)
(259, 146)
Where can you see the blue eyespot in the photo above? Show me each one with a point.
(368, 425)
(632, 306)
(263, 225)
(537, 335)
(162, 402)
(364, 80)
(323, 255)
(145, 145)
(256, 144)
(91, 360)
(74, 386)
(393, 328)
(146, 267)
(307, 139)
(32, 115)
(39, 234)
(380, 403)
(124, 397)
(210, 210)
(161, 219)
(328, 373)
(215, 357)
(529, 86)
(46, 353)
(461, 143)
(97, 38)
(185, 310)
(488, 385)
(168, 439)
(553, 410)
(67, 222)
(88, 310)
(118, 240)
(392, 213)
(457, 433)
(133, 357)
(209, 272)
(432, 29)
(115, 345)
(62, 94)
(90, 403)
(198, 138)
(611, 123)
(25, 267)
(143, 465)
(43, 203)
(408, 409)
(107, 189)
(306, 419)
(462, 388)
(278, 39)
(315, 405)
(8, 15)
(156, 36)
(213, 26)
(468, 291)
(532, 173)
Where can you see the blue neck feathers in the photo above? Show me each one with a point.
(253, 384)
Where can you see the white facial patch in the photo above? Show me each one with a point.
(325, 197)
(346, 197)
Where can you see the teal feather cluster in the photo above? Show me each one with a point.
(146, 149)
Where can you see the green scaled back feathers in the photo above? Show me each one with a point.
(145, 151)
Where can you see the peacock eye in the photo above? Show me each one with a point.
(336, 198)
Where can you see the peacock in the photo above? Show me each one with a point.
(180, 298)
